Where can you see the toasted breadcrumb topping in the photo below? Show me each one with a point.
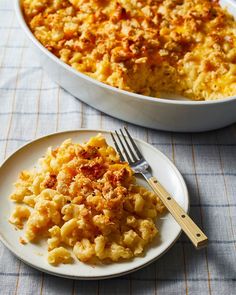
(186, 47)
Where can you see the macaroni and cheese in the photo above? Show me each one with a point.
(83, 197)
(186, 47)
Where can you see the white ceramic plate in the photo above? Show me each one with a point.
(35, 254)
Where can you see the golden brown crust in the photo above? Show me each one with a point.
(181, 46)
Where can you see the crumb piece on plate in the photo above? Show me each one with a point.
(22, 241)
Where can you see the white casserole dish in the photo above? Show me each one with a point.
(159, 113)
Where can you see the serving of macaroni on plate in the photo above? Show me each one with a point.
(83, 198)
(184, 47)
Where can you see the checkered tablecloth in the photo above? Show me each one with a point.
(32, 105)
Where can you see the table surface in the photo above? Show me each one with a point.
(32, 105)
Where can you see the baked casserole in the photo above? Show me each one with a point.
(185, 47)
(83, 197)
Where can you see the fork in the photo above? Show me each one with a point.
(133, 156)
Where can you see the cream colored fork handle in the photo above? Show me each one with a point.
(198, 238)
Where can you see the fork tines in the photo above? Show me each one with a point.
(130, 150)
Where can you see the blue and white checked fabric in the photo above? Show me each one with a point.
(32, 105)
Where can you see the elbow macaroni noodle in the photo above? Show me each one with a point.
(82, 197)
